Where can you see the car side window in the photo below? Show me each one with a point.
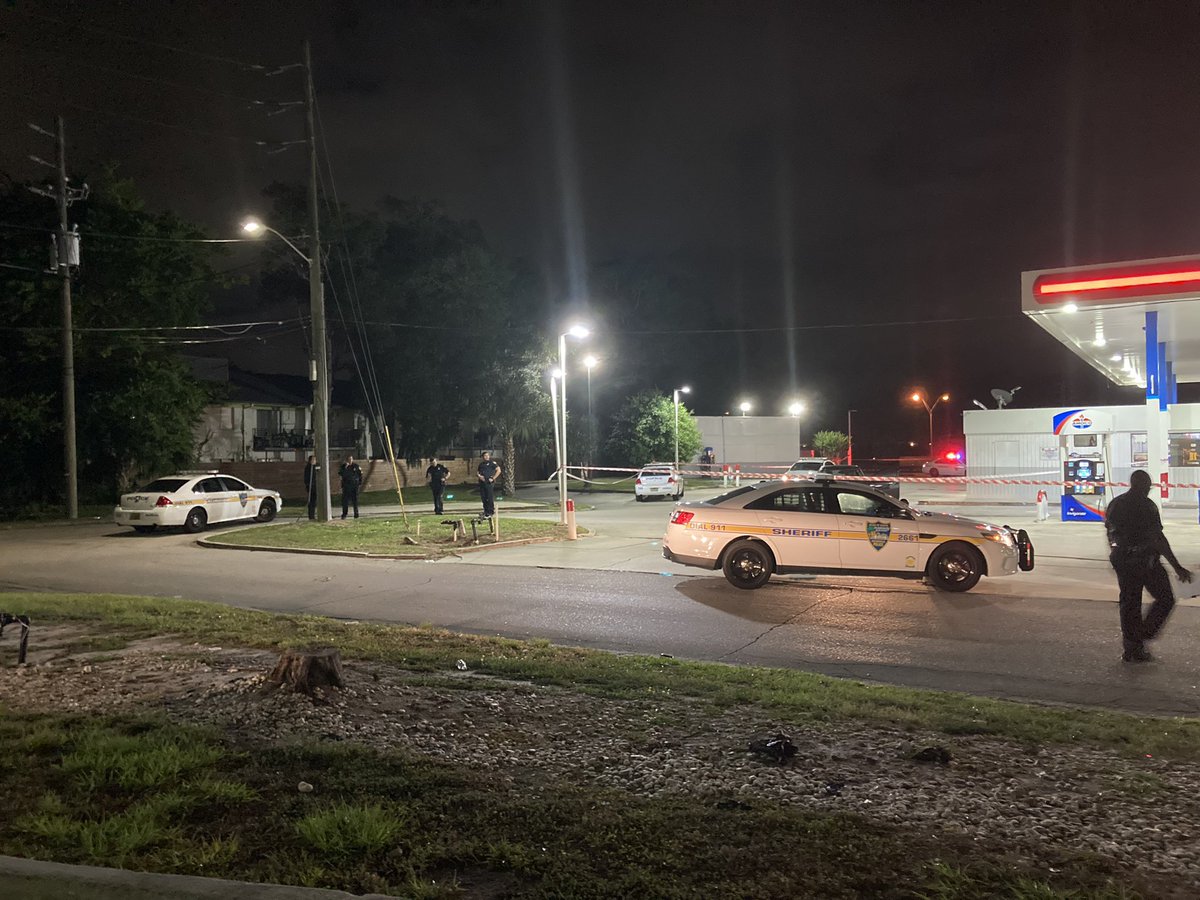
(211, 486)
(805, 500)
(232, 484)
(852, 503)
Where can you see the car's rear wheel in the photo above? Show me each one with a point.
(144, 529)
(266, 512)
(955, 566)
(639, 498)
(748, 565)
(195, 521)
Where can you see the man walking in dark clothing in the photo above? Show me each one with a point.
(489, 471)
(352, 478)
(436, 475)
(1136, 541)
(310, 485)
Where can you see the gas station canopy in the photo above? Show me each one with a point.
(1138, 322)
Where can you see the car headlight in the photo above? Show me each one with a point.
(999, 536)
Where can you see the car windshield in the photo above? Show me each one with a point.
(729, 495)
(842, 470)
(165, 485)
(811, 465)
(656, 471)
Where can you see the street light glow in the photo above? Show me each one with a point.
(916, 398)
(685, 390)
(796, 408)
(252, 226)
(945, 396)
(556, 373)
(745, 406)
(590, 362)
(578, 331)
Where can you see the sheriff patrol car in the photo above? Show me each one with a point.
(193, 500)
(826, 527)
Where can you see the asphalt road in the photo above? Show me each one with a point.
(1008, 638)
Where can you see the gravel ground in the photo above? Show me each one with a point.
(1138, 811)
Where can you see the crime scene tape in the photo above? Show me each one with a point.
(860, 479)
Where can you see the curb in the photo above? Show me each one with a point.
(360, 554)
(32, 879)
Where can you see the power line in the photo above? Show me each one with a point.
(138, 237)
(246, 326)
(212, 57)
(122, 73)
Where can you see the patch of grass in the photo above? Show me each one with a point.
(347, 829)
(100, 757)
(799, 697)
(384, 536)
(445, 831)
(421, 495)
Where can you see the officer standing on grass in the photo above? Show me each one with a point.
(436, 475)
(1136, 541)
(489, 471)
(352, 479)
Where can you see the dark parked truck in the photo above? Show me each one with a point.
(855, 475)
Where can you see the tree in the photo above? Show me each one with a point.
(519, 406)
(643, 430)
(831, 443)
(136, 401)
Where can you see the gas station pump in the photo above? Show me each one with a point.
(1083, 449)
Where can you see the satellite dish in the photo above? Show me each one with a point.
(980, 405)
(1002, 397)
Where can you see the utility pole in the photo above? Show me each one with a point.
(316, 297)
(68, 342)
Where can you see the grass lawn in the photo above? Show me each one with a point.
(385, 536)
(421, 495)
(141, 792)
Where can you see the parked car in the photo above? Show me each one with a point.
(658, 480)
(194, 500)
(803, 468)
(947, 465)
(829, 528)
(844, 474)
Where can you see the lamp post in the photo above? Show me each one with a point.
(590, 362)
(796, 408)
(918, 397)
(850, 436)
(580, 332)
(675, 399)
(320, 373)
(745, 407)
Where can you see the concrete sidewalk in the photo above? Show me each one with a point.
(31, 879)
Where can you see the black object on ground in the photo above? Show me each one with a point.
(779, 747)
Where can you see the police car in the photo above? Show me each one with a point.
(658, 480)
(193, 500)
(823, 526)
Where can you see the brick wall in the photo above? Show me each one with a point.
(288, 477)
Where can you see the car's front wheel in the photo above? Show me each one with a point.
(266, 512)
(955, 566)
(933, 473)
(748, 565)
(195, 521)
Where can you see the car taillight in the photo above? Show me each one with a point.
(637, 481)
(681, 517)
(670, 479)
(163, 501)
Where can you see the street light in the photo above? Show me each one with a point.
(590, 362)
(745, 407)
(918, 397)
(675, 399)
(579, 332)
(796, 408)
(320, 363)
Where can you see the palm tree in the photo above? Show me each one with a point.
(519, 407)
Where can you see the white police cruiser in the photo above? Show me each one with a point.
(193, 500)
(823, 526)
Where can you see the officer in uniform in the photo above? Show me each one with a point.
(489, 471)
(1136, 541)
(352, 478)
(310, 485)
(436, 475)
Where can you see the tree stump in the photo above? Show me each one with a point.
(305, 670)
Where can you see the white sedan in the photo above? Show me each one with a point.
(193, 500)
(830, 528)
(658, 480)
(952, 464)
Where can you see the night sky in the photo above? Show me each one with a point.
(828, 167)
